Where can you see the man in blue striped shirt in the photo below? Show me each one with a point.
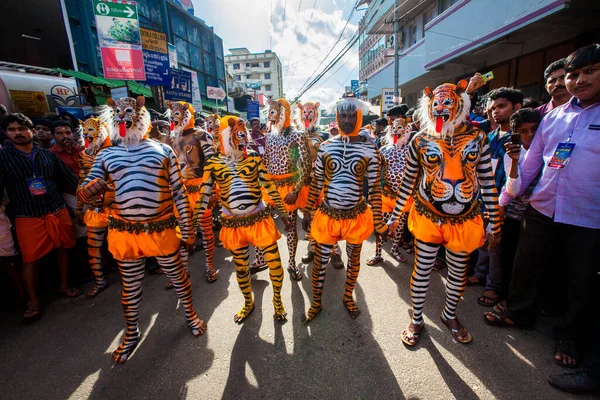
(31, 177)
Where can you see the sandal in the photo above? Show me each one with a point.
(409, 338)
(257, 268)
(499, 319)
(211, 275)
(32, 313)
(461, 334)
(487, 300)
(295, 273)
(399, 256)
(567, 348)
(95, 291)
(374, 260)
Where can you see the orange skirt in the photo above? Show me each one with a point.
(194, 197)
(95, 219)
(461, 237)
(133, 246)
(39, 236)
(284, 191)
(327, 230)
(388, 204)
(261, 234)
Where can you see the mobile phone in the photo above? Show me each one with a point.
(515, 138)
(488, 76)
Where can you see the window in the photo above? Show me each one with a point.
(446, 4)
(247, 65)
(267, 64)
(254, 76)
(255, 65)
(267, 76)
(427, 18)
(413, 34)
(238, 77)
(236, 66)
(268, 88)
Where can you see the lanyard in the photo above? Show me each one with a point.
(31, 158)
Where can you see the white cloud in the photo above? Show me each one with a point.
(254, 26)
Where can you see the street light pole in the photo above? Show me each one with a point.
(396, 53)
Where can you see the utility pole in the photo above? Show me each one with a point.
(396, 53)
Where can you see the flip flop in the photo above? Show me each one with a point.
(466, 336)
(32, 314)
(567, 347)
(406, 335)
(482, 301)
(374, 260)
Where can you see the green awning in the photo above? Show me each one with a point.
(140, 89)
(135, 87)
(211, 105)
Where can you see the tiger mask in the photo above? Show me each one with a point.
(443, 109)
(234, 137)
(95, 133)
(279, 115)
(399, 132)
(181, 115)
(127, 119)
(448, 171)
(309, 115)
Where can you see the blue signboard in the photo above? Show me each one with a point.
(181, 86)
(157, 68)
(253, 109)
(354, 87)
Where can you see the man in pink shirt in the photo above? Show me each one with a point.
(563, 218)
(554, 75)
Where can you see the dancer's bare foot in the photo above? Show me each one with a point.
(95, 291)
(124, 351)
(281, 315)
(200, 329)
(352, 309)
(312, 312)
(244, 313)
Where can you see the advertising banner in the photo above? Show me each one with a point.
(156, 57)
(119, 39)
(181, 86)
(196, 96)
(253, 109)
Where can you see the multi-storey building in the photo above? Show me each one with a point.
(447, 40)
(199, 49)
(257, 71)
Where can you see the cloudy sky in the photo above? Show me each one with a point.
(283, 26)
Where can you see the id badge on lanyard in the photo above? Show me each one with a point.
(37, 186)
(562, 154)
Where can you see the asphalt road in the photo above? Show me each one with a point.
(67, 353)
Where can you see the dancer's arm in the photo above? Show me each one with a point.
(180, 197)
(374, 173)
(304, 163)
(489, 194)
(316, 184)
